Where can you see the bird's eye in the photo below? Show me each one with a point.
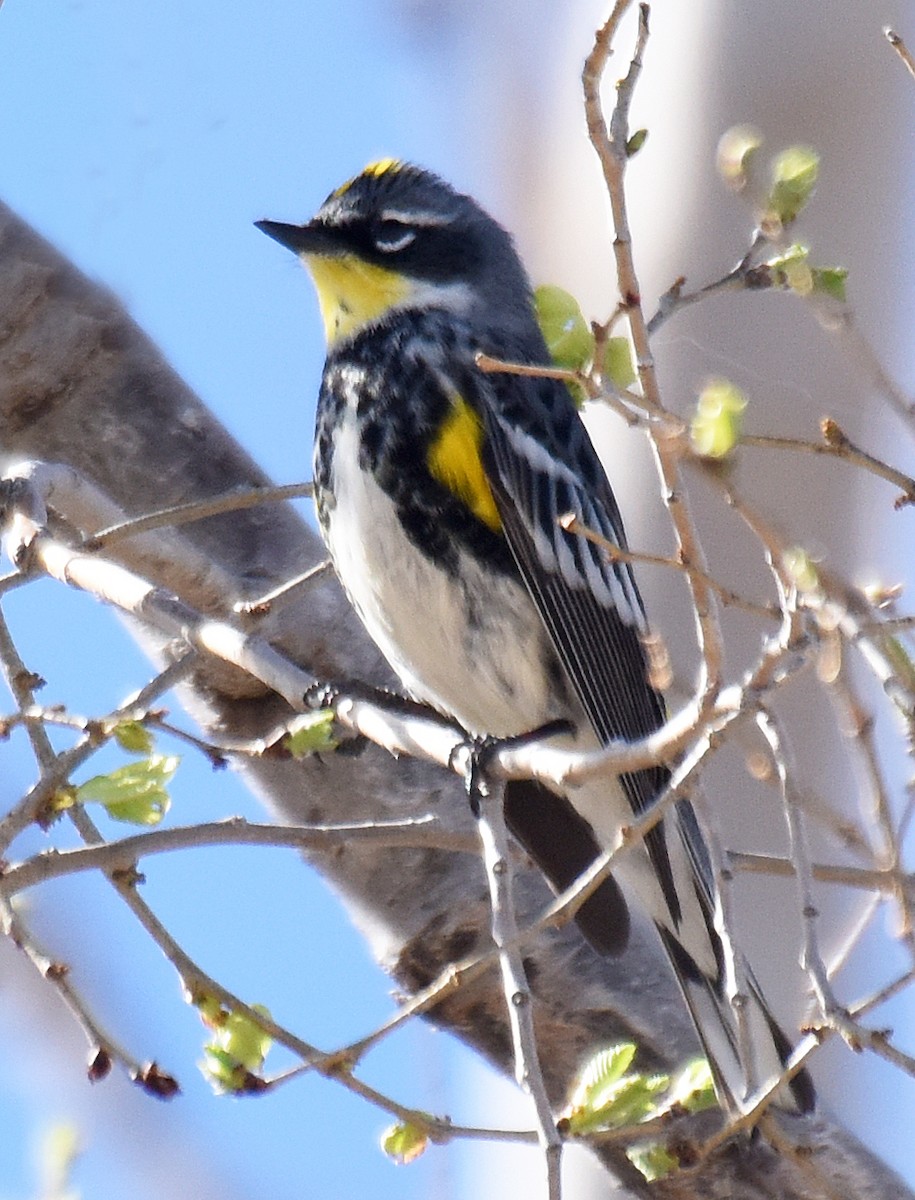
(391, 236)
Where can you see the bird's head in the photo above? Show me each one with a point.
(396, 236)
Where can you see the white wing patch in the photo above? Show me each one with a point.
(590, 569)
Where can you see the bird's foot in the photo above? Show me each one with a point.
(477, 752)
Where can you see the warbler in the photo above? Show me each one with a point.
(440, 491)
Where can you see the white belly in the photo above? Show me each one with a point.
(418, 618)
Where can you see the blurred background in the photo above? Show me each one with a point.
(144, 140)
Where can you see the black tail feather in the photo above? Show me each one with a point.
(563, 847)
(716, 1025)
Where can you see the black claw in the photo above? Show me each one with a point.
(321, 694)
(481, 749)
(326, 693)
(478, 751)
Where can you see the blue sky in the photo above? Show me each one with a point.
(144, 140)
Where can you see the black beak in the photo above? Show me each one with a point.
(300, 239)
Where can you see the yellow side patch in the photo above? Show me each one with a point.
(454, 460)
(352, 292)
(375, 169)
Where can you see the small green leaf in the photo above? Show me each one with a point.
(693, 1087)
(830, 281)
(636, 142)
(793, 268)
(238, 1049)
(897, 653)
(800, 567)
(794, 176)
(652, 1159)
(601, 1071)
(224, 1073)
(59, 1148)
(404, 1142)
(310, 733)
(718, 419)
(567, 334)
(245, 1040)
(605, 1096)
(133, 737)
(737, 150)
(626, 1102)
(618, 364)
(135, 793)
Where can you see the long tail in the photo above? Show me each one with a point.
(563, 845)
(718, 1028)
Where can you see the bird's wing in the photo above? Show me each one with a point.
(541, 466)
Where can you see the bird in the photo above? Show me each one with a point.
(440, 491)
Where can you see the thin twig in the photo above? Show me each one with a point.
(103, 1047)
(895, 40)
(286, 591)
(862, 354)
(736, 985)
(497, 366)
(856, 877)
(875, 804)
(837, 445)
(196, 510)
(616, 553)
(852, 935)
(742, 277)
(518, 999)
(804, 1162)
(833, 1015)
(667, 440)
(120, 855)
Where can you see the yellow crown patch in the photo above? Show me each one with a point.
(374, 170)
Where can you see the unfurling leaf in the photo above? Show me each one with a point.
(737, 150)
(801, 569)
(793, 269)
(310, 733)
(237, 1051)
(606, 1097)
(135, 793)
(133, 737)
(794, 176)
(830, 281)
(652, 1159)
(404, 1142)
(718, 420)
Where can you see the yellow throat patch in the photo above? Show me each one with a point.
(454, 460)
(352, 292)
